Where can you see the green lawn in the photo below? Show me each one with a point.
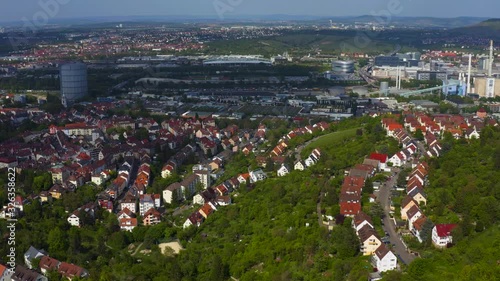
(326, 141)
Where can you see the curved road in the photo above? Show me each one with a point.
(396, 241)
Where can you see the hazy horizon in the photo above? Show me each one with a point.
(221, 9)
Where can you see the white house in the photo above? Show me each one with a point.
(73, 219)
(313, 157)
(441, 235)
(283, 171)
(101, 177)
(360, 220)
(257, 175)
(413, 214)
(398, 159)
(125, 214)
(383, 259)
(310, 161)
(168, 193)
(168, 170)
(299, 165)
(198, 199)
(471, 133)
(32, 253)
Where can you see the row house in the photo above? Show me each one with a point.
(350, 195)
(403, 156)
(362, 171)
(279, 149)
(178, 159)
(382, 258)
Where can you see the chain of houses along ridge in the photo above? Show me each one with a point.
(213, 197)
(350, 196)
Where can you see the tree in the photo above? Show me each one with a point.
(419, 135)
(118, 240)
(142, 133)
(57, 241)
(218, 270)
(376, 210)
(426, 232)
(269, 165)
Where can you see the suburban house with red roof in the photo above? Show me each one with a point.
(392, 128)
(350, 208)
(441, 235)
(194, 219)
(71, 271)
(382, 158)
(128, 224)
(47, 264)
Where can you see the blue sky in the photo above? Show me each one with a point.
(14, 10)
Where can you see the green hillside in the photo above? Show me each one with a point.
(486, 29)
(475, 258)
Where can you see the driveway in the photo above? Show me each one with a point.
(384, 198)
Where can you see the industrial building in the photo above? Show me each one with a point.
(237, 61)
(454, 87)
(391, 61)
(432, 75)
(411, 59)
(487, 87)
(73, 77)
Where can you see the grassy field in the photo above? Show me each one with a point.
(327, 141)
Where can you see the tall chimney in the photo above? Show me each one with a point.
(490, 62)
(468, 74)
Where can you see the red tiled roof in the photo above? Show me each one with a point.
(70, 270)
(48, 263)
(378, 156)
(348, 208)
(444, 230)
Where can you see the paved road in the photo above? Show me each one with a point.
(389, 226)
